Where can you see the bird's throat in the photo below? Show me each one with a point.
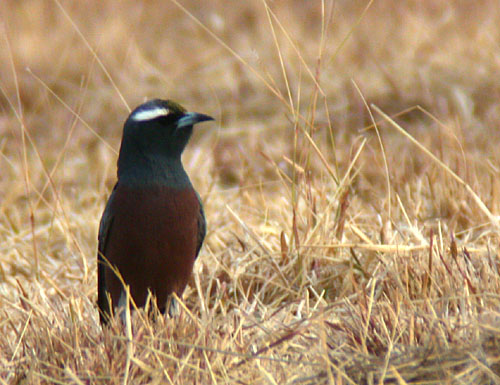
(154, 171)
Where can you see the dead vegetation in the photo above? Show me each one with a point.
(351, 189)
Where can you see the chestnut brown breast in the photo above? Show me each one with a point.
(152, 241)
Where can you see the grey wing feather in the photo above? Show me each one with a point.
(104, 227)
(202, 227)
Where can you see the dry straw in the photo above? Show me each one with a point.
(351, 190)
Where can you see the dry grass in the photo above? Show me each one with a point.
(338, 251)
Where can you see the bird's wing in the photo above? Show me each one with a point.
(202, 227)
(104, 227)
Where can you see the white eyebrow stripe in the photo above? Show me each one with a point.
(141, 116)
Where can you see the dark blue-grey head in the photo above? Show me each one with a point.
(155, 134)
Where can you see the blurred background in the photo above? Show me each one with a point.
(71, 71)
(293, 159)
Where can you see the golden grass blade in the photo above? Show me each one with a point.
(494, 220)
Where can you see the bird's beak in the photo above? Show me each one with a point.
(192, 118)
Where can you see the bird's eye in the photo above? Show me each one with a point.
(150, 114)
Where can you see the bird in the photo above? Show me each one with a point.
(153, 225)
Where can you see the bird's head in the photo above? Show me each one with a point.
(154, 137)
(160, 127)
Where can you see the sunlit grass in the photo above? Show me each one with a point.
(350, 183)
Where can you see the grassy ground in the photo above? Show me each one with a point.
(351, 186)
